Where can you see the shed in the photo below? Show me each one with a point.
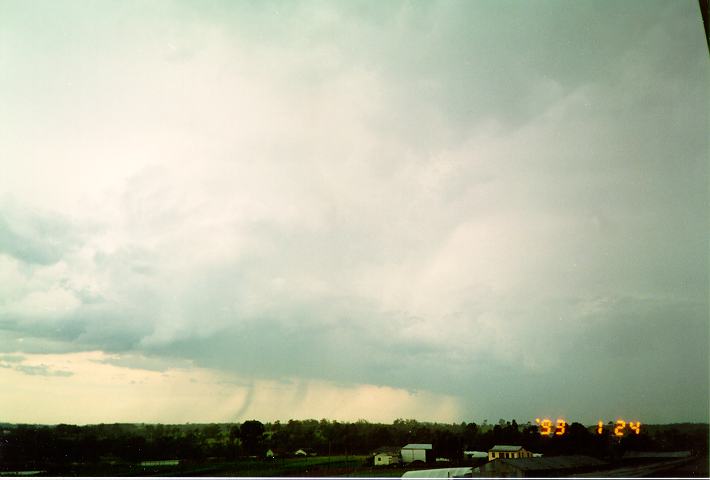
(415, 451)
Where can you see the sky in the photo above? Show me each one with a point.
(449, 211)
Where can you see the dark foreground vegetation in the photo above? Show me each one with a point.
(330, 448)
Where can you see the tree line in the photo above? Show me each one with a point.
(41, 446)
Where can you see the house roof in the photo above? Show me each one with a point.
(417, 446)
(506, 448)
(552, 463)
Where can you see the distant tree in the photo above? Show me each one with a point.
(381, 436)
(577, 439)
(470, 436)
(251, 433)
(234, 441)
(447, 444)
(211, 431)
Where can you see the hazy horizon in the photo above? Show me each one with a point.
(479, 423)
(449, 211)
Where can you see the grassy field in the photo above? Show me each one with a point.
(303, 466)
(320, 466)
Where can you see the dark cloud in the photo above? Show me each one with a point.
(141, 362)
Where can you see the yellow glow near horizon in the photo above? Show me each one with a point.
(86, 388)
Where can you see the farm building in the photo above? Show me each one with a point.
(508, 451)
(387, 456)
(539, 467)
(415, 451)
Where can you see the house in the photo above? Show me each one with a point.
(508, 451)
(413, 452)
(386, 456)
(539, 466)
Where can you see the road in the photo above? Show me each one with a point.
(686, 468)
(697, 468)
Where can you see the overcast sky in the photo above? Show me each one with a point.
(449, 211)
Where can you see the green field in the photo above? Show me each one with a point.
(318, 466)
(303, 466)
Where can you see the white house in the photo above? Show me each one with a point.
(386, 456)
(508, 451)
(415, 451)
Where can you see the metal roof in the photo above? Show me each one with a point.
(476, 454)
(417, 446)
(505, 448)
(552, 463)
(439, 473)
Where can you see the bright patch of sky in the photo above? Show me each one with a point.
(451, 211)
